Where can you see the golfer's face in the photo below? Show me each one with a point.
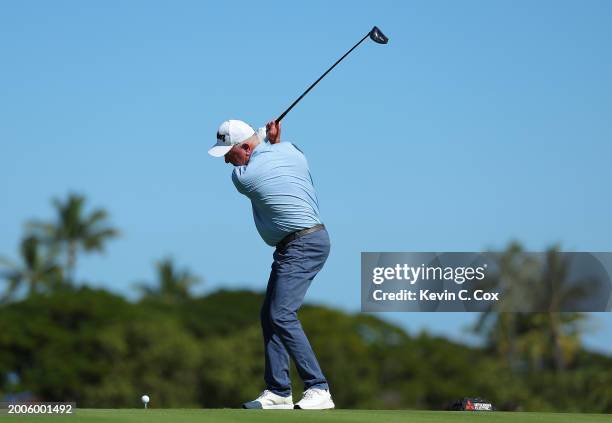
(238, 155)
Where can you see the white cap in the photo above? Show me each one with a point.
(230, 133)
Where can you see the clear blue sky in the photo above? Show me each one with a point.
(480, 122)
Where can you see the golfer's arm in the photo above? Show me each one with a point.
(276, 141)
(264, 135)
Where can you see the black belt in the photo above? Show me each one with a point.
(294, 235)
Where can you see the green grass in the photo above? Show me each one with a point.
(299, 416)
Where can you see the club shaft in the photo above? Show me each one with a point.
(320, 78)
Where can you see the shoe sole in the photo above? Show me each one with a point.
(279, 407)
(327, 406)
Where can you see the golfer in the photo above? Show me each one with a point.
(276, 178)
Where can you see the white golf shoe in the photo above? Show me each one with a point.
(268, 400)
(315, 399)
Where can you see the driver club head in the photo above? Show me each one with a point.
(377, 36)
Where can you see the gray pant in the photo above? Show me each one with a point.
(294, 268)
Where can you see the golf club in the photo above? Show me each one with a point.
(375, 35)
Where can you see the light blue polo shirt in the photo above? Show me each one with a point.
(277, 181)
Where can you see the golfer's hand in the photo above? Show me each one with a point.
(273, 132)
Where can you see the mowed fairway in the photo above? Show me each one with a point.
(289, 416)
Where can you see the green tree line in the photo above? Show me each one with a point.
(62, 340)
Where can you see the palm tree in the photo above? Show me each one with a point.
(501, 323)
(37, 270)
(172, 285)
(74, 230)
(556, 292)
(540, 339)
